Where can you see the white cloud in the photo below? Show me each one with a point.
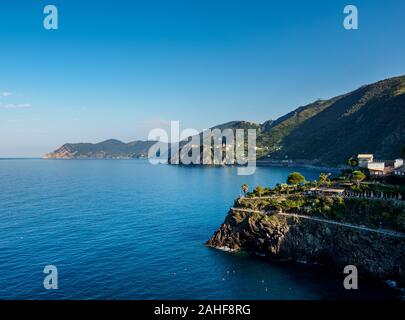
(22, 120)
(6, 93)
(16, 106)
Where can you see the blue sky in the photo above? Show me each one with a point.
(116, 69)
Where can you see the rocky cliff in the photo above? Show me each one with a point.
(302, 240)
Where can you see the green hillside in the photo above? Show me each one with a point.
(370, 119)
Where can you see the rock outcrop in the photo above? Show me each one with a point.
(314, 242)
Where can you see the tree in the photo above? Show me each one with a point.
(324, 179)
(245, 188)
(353, 162)
(295, 178)
(259, 191)
(358, 176)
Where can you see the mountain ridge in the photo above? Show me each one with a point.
(369, 119)
(108, 149)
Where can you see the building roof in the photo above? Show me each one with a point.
(376, 166)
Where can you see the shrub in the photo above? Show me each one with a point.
(259, 191)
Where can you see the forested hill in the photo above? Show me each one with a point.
(370, 119)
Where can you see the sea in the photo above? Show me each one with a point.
(127, 229)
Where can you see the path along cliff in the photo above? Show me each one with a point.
(376, 253)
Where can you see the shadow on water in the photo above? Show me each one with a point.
(276, 276)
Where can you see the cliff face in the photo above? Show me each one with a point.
(297, 239)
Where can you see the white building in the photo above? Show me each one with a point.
(379, 167)
(398, 163)
(364, 159)
(376, 168)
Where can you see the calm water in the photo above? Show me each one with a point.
(130, 230)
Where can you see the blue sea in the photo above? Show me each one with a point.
(131, 230)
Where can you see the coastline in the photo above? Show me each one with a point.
(258, 163)
(299, 164)
(332, 247)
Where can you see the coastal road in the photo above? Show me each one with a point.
(385, 232)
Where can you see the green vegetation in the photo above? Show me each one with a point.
(275, 132)
(358, 176)
(353, 162)
(295, 198)
(369, 119)
(371, 213)
(259, 191)
(324, 180)
(295, 178)
(377, 188)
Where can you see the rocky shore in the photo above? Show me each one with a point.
(314, 242)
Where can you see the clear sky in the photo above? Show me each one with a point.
(115, 69)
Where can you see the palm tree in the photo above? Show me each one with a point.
(353, 162)
(245, 188)
(324, 179)
(259, 191)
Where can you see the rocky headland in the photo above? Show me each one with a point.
(376, 252)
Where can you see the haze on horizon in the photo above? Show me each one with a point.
(119, 69)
